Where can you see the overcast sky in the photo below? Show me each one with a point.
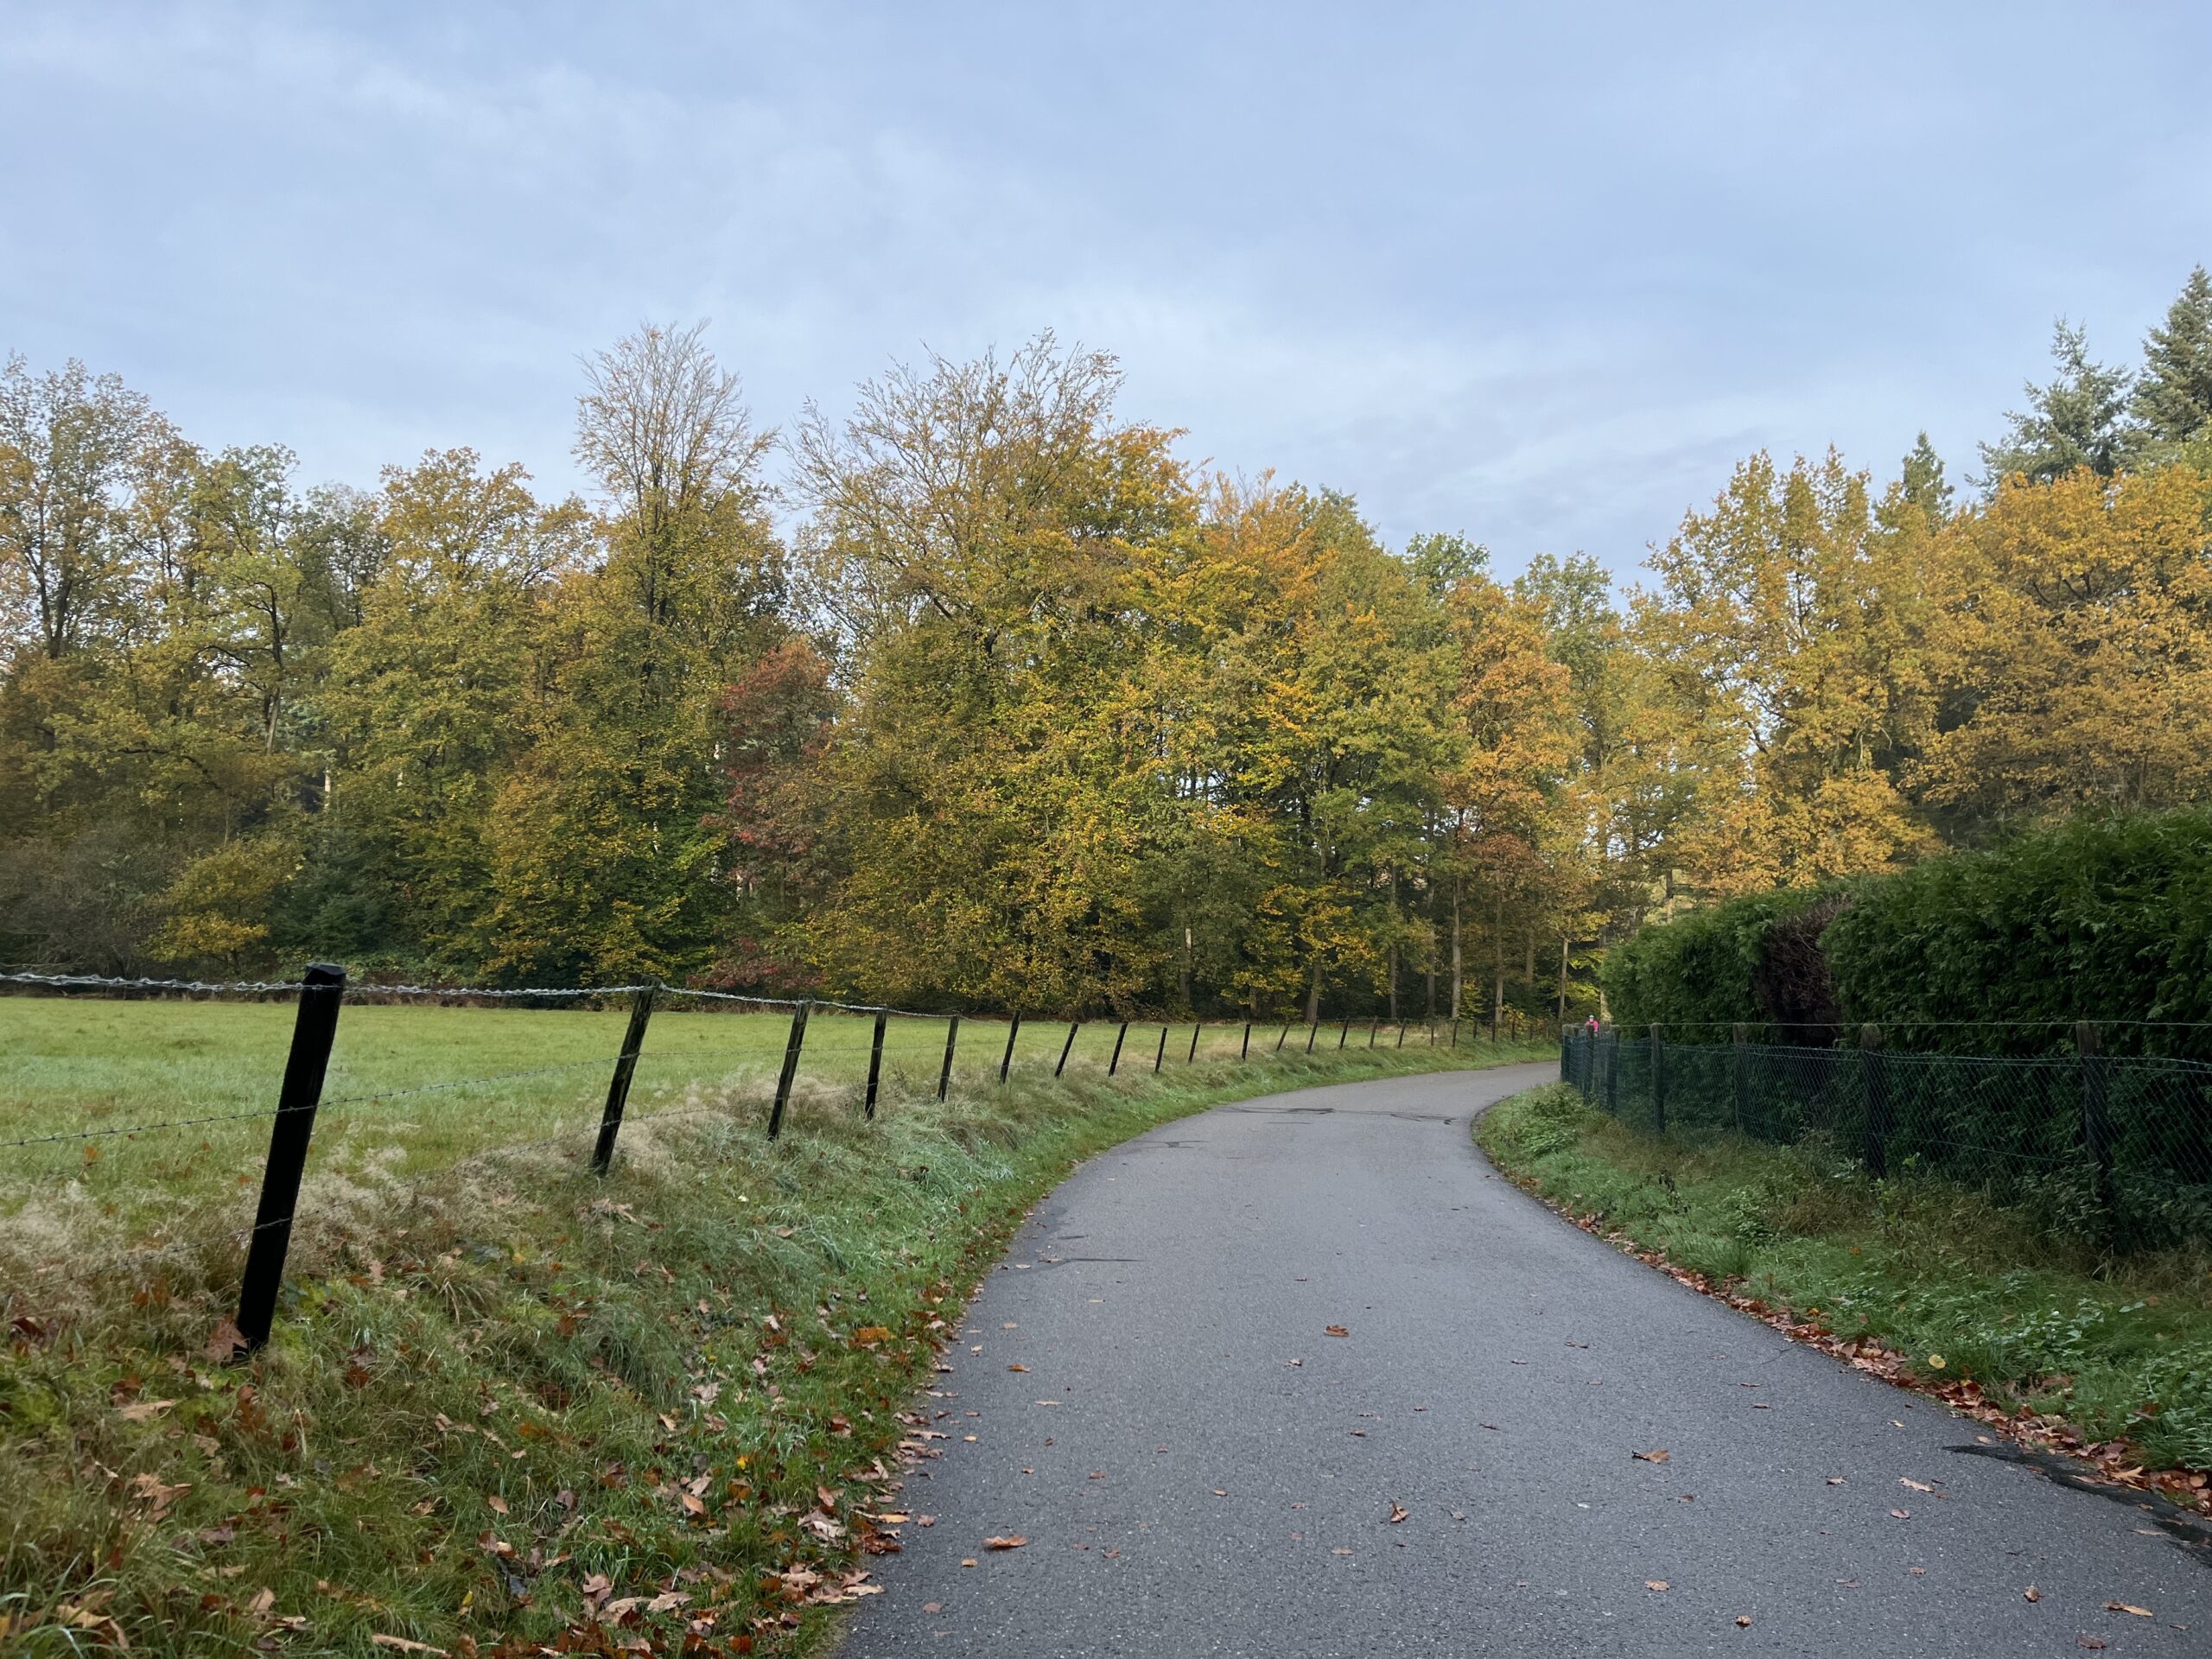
(1538, 274)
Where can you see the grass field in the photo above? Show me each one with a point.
(508, 1403)
(1964, 1289)
(416, 1090)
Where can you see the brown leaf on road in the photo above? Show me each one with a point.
(1914, 1485)
(2091, 1642)
(1017, 1368)
(1011, 1541)
(1398, 1512)
(1835, 1480)
(967, 1561)
(2031, 1594)
(1743, 1621)
(1335, 1330)
(1655, 1584)
(1340, 1552)
(1900, 1515)
(932, 1606)
(2128, 1607)
(1659, 1455)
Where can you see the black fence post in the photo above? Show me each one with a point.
(1612, 1070)
(875, 1063)
(1115, 1064)
(1455, 1031)
(315, 1027)
(944, 1072)
(1343, 1033)
(1191, 1057)
(1371, 1030)
(792, 1044)
(1311, 1032)
(2096, 1115)
(1740, 1034)
(1013, 1031)
(1877, 1099)
(618, 1086)
(1245, 1053)
(1283, 1038)
(1401, 1033)
(1658, 1080)
(1073, 1026)
(1158, 1058)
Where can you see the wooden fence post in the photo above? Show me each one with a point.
(1313, 1031)
(2096, 1113)
(1659, 1079)
(1343, 1033)
(1740, 1034)
(874, 1064)
(944, 1073)
(618, 1086)
(1013, 1031)
(792, 1044)
(1072, 1028)
(1877, 1100)
(1284, 1038)
(1193, 1054)
(322, 990)
(1115, 1064)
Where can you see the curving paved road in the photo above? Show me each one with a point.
(1199, 1468)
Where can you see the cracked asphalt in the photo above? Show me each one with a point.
(1147, 1391)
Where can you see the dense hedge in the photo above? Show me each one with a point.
(2105, 919)
(1697, 974)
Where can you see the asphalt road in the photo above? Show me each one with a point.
(1200, 1467)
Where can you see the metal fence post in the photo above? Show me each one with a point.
(1158, 1058)
(875, 1063)
(1313, 1031)
(1073, 1026)
(322, 990)
(1740, 1057)
(1371, 1030)
(2096, 1113)
(1877, 1100)
(1115, 1064)
(1658, 1079)
(784, 1080)
(1565, 1054)
(1343, 1033)
(1245, 1053)
(944, 1072)
(1401, 1033)
(618, 1086)
(1013, 1031)
(1193, 1054)
(1283, 1038)
(1612, 1070)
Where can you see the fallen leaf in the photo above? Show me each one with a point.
(223, 1346)
(144, 1410)
(1743, 1621)
(401, 1645)
(1335, 1330)
(1900, 1515)
(2128, 1607)
(1017, 1368)
(1340, 1552)
(1914, 1484)
(1835, 1480)
(1398, 1512)
(498, 1505)
(932, 1606)
(967, 1561)
(261, 1604)
(1659, 1455)
(1012, 1540)
(1655, 1584)
(2031, 1594)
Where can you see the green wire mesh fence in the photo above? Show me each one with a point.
(2115, 1147)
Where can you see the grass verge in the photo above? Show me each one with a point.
(1917, 1280)
(519, 1406)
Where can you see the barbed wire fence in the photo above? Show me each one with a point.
(2114, 1148)
(324, 990)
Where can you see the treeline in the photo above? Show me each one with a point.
(979, 693)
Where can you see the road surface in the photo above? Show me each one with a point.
(1149, 1392)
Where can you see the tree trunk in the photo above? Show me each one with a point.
(1497, 971)
(1314, 994)
(1562, 982)
(1458, 978)
(1394, 984)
